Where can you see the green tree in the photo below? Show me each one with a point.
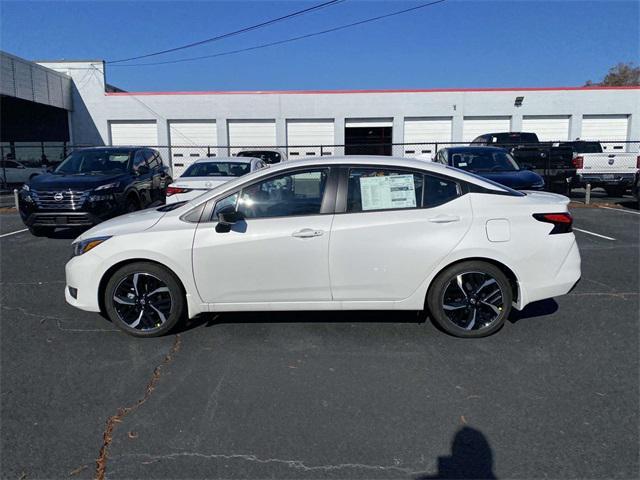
(621, 75)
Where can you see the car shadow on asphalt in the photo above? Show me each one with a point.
(471, 458)
(536, 309)
(67, 233)
(302, 316)
(541, 308)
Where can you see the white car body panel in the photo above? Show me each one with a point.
(367, 260)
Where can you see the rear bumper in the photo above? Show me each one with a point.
(564, 281)
(618, 179)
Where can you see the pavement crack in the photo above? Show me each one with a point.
(58, 320)
(122, 412)
(296, 464)
(621, 295)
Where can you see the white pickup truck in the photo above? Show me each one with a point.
(615, 172)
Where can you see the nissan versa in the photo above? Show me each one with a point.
(91, 185)
(347, 233)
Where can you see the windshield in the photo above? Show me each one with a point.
(483, 161)
(267, 156)
(95, 161)
(217, 169)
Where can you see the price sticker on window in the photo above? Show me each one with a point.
(392, 191)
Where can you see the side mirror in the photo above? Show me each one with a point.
(143, 170)
(227, 218)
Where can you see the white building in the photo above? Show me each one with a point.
(332, 122)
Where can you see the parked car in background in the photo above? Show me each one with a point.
(14, 172)
(615, 172)
(91, 185)
(493, 163)
(267, 155)
(208, 173)
(342, 233)
(553, 163)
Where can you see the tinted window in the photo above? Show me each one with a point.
(95, 161)
(483, 161)
(383, 189)
(267, 156)
(217, 169)
(153, 161)
(139, 159)
(514, 138)
(583, 147)
(439, 190)
(286, 195)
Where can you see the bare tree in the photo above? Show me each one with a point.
(622, 75)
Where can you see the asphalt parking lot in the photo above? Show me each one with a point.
(554, 394)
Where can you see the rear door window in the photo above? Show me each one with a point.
(439, 190)
(383, 189)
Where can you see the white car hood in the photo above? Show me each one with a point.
(129, 223)
(201, 183)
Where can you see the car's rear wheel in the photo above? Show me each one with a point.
(144, 299)
(470, 299)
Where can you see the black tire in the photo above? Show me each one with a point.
(145, 305)
(615, 191)
(41, 231)
(486, 319)
(132, 205)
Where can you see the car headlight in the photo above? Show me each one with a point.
(83, 246)
(107, 186)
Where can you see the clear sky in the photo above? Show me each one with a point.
(454, 44)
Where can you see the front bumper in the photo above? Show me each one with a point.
(83, 273)
(61, 219)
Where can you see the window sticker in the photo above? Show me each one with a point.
(392, 191)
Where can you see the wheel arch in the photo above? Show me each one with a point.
(511, 276)
(102, 286)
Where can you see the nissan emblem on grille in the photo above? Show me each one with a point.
(58, 197)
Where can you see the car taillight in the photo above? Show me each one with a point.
(174, 190)
(578, 162)
(562, 222)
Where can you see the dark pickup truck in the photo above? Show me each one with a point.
(553, 163)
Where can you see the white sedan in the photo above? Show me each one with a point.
(207, 173)
(15, 172)
(343, 233)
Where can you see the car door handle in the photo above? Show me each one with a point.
(307, 233)
(445, 219)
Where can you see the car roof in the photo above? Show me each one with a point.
(225, 159)
(474, 148)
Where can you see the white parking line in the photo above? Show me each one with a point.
(13, 233)
(621, 210)
(592, 233)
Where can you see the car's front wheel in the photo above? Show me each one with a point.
(144, 299)
(470, 299)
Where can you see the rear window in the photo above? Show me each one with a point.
(217, 169)
(267, 156)
(514, 138)
(583, 147)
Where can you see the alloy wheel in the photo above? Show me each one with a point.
(142, 301)
(473, 300)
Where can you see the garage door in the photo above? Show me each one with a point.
(305, 137)
(606, 127)
(548, 128)
(422, 134)
(473, 127)
(251, 133)
(140, 133)
(188, 140)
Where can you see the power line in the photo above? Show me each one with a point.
(232, 34)
(288, 40)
